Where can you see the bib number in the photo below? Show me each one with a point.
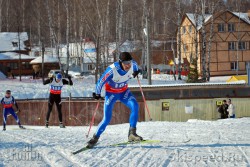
(119, 85)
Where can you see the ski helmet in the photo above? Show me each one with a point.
(125, 57)
(58, 76)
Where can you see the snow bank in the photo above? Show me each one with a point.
(85, 85)
(2, 76)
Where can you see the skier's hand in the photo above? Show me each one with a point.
(135, 73)
(96, 96)
(18, 110)
(69, 77)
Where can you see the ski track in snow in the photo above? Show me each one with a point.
(218, 139)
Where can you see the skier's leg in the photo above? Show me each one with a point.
(50, 105)
(129, 100)
(110, 100)
(59, 110)
(5, 116)
(12, 112)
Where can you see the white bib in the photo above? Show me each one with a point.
(56, 85)
(121, 78)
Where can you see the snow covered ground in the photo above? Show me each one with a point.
(222, 143)
(83, 87)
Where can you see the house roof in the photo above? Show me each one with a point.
(6, 39)
(242, 16)
(192, 18)
(197, 18)
(47, 59)
(14, 56)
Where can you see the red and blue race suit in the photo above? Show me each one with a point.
(116, 80)
(7, 103)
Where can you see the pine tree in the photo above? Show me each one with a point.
(193, 72)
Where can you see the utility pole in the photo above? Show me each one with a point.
(146, 31)
(43, 50)
(19, 48)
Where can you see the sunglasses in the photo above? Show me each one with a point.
(126, 62)
(8, 93)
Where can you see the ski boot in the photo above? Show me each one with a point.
(61, 125)
(47, 124)
(4, 128)
(21, 127)
(92, 142)
(132, 136)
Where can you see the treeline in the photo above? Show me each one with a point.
(60, 21)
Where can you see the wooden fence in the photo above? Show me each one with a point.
(75, 113)
(202, 98)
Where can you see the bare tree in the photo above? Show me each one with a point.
(203, 39)
(210, 39)
(67, 34)
(23, 15)
(1, 19)
(7, 15)
(178, 4)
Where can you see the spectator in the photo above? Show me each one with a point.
(223, 110)
(158, 71)
(231, 110)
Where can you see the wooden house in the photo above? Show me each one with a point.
(229, 41)
(13, 45)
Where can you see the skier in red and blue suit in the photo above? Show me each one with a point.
(7, 102)
(115, 79)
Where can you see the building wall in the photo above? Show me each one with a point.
(221, 56)
(25, 69)
(204, 109)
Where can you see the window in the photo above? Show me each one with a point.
(26, 65)
(242, 45)
(184, 30)
(247, 64)
(13, 66)
(221, 27)
(231, 27)
(14, 44)
(231, 45)
(234, 66)
(190, 28)
(90, 67)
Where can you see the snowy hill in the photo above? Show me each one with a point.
(213, 143)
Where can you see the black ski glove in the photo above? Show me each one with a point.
(135, 73)
(96, 96)
(69, 77)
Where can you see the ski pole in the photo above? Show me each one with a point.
(93, 118)
(144, 99)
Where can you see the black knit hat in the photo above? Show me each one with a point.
(125, 56)
(8, 91)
